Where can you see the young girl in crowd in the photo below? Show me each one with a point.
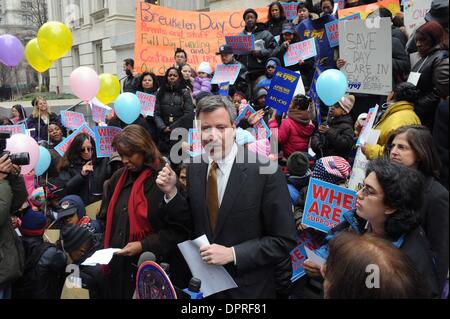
(202, 82)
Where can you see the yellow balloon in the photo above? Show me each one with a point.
(35, 57)
(109, 88)
(55, 39)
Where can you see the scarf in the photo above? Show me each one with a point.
(137, 208)
(299, 116)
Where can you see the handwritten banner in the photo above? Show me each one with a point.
(300, 51)
(62, 147)
(104, 136)
(282, 88)
(13, 129)
(241, 44)
(148, 102)
(226, 73)
(332, 29)
(368, 52)
(365, 10)
(415, 11)
(72, 120)
(325, 204)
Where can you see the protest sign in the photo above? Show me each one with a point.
(148, 102)
(13, 129)
(195, 142)
(358, 175)
(300, 51)
(241, 44)
(290, 10)
(62, 147)
(367, 128)
(104, 136)
(226, 73)
(282, 88)
(368, 52)
(244, 114)
(332, 29)
(99, 110)
(298, 254)
(224, 88)
(415, 11)
(262, 131)
(313, 92)
(72, 120)
(365, 10)
(325, 205)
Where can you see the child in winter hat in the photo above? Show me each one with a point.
(202, 82)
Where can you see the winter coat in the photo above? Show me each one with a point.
(90, 187)
(11, 251)
(168, 230)
(434, 220)
(130, 84)
(337, 141)
(257, 65)
(312, 16)
(440, 137)
(201, 85)
(40, 132)
(401, 65)
(174, 108)
(399, 114)
(293, 135)
(433, 84)
(275, 26)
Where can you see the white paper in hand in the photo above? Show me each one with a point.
(312, 256)
(102, 257)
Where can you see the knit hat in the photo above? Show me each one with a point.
(73, 236)
(332, 169)
(298, 164)
(250, 11)
(261, 92)
(73, 201)
(273, 61)
(347, 102)
(204, 67)
(438, 12)
(33, 223)
(37, 197)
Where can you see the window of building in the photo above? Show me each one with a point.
(98, 52)
(75, 56)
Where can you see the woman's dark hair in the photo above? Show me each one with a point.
(19, 108)
(322, 1)
(403, 191)
(406, 91)
(307, 5)
(135, 139)
(155, 82)
(301, 102)
(179, 50)
(435, 33)
(352, 256)
(72, 155)
(280, 7)
(179, 85)
(421, 141)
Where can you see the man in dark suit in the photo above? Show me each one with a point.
(241, 205)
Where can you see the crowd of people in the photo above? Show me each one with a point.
(150, 202)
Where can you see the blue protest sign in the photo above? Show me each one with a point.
(62, 147)
(332, 29)
(226, 73)
(224, 88)
(300, 51)
(244, 114)
(104, 136)
(298, 254)
(241, 44)
(282, 89)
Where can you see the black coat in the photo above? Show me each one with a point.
(40, 132)
(440, 137)
(275, 26)
(240, 85)
(169, 229)
(337, 141)
(401, 65)
(434, 220)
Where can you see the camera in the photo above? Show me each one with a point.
(16, 159)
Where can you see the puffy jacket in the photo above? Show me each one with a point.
(201, 85)
(398, 114)
(40, 132)
(293, 136)
(433, 84)
(275, 26)
(175, 105)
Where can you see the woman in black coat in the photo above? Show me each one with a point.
(133, 217)
(413, 146)
(81, 171)
(148, 83)
(275, 18)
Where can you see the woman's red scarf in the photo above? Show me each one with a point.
(137, 208)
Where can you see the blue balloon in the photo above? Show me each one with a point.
(44, 161)
(331, 86)
(127, 107)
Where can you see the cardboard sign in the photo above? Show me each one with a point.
(365, 10)
(51, 235)
(71, 292)
(244, 114)
(195, 142)
(104, 136)
(99, 111)
(298, 254)
(13, 129)
(332, 29)
(300, 51)
(325, 205)
(290, 9)
(368, 125)
(72, 120)
(241, 44)
(282, 89)
(148, 102)
(62, 147)
(368, 52)
(224, 88)
(415, 11)
(93, 209)
(226, 73)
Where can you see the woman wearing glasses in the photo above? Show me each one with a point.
(387, 207)
(81, 171)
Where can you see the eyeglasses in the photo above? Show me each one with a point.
(86, 149)
(365, 191)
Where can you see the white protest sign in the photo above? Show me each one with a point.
(367, 49)
(414, 13)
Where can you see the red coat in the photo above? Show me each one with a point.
(292, 135)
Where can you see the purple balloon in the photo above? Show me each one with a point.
(11, 50)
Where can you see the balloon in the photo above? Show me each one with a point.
(331, 86)
(55, 39)
(109, 88)
(35, 57)
(44, 161)
(21, 143)
(11, 50)
(84, 83)
(127, 107)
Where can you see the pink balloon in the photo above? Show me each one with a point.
(21, 143)
(84, 83)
